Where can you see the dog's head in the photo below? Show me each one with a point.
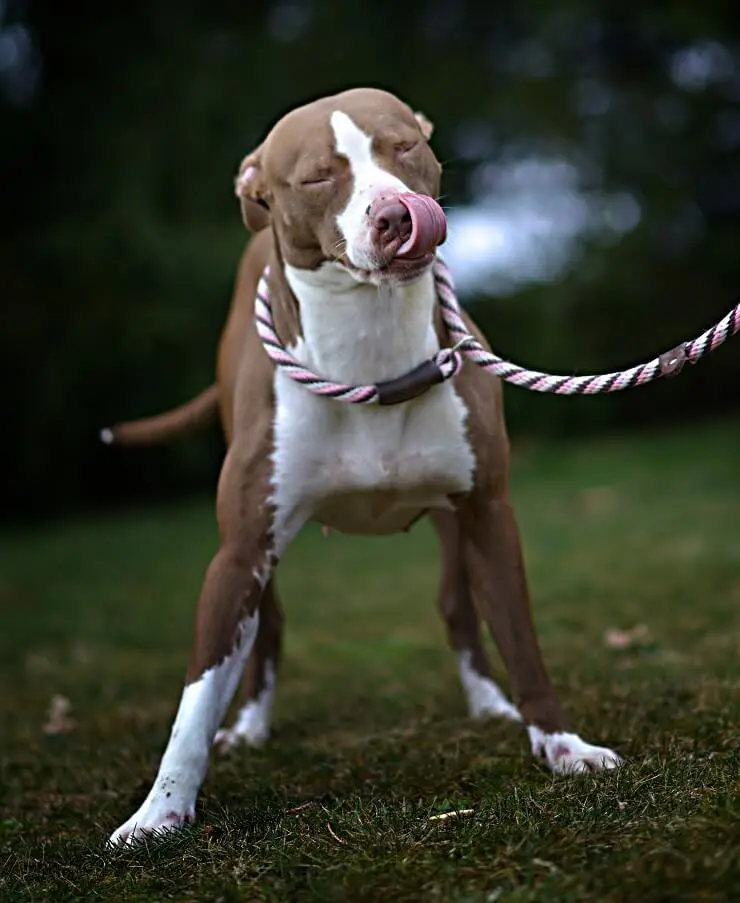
(350, 179)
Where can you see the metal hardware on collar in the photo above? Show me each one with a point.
(448, 362)
(671, 362)
(464, 342)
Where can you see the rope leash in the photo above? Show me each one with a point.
(448, 362)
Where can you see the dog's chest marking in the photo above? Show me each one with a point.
(366, 469)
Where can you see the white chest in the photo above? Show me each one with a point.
(357, 468)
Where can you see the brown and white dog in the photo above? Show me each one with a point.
(354, 298)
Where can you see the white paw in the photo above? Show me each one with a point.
(250, 728)
(489, 702)
(568, 754)
(485, 698)
(156, 815)
(252, 725)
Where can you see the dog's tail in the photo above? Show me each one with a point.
(151, 430)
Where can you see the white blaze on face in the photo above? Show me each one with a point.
(368, 182)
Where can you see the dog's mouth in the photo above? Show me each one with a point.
(398, 271)
(407, 269)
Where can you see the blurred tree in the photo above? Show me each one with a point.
(122, 128)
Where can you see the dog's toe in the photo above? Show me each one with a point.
(152, 819)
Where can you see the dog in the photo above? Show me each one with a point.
(340, 196)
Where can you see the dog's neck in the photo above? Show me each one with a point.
(359, 333)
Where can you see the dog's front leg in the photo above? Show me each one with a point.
(496, 571)
(226, 626)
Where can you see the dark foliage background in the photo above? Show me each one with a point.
(122, 126)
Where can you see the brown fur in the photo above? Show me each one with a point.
(481, 555)
(482, 564)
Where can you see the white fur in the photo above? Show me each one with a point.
(485, 698)
(566, 753)
(359, 468)
(171, 801)
(370, 181)
(252, 724)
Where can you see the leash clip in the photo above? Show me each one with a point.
(671, 362)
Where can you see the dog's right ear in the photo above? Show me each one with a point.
(250, 189)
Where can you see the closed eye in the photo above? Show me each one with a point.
(317, 182)
(406, 147)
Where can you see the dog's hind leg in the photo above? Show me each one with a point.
(494, 563)
(252, 723)
(484, 697)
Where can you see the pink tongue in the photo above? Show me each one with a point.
(428, 225)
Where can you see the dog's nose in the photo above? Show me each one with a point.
(391, 223)
(408, 226)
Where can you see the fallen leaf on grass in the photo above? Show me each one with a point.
(331, 831)
(299, 808)
(443, 815)
(57, 719)
(543, 863)
(615, 638)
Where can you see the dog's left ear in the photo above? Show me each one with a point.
(250, 189)
(426, 125)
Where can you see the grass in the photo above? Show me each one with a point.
(370, 735)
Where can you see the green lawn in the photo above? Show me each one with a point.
(370, 730)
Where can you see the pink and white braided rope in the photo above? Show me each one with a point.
(447, 360)
(450, 360)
